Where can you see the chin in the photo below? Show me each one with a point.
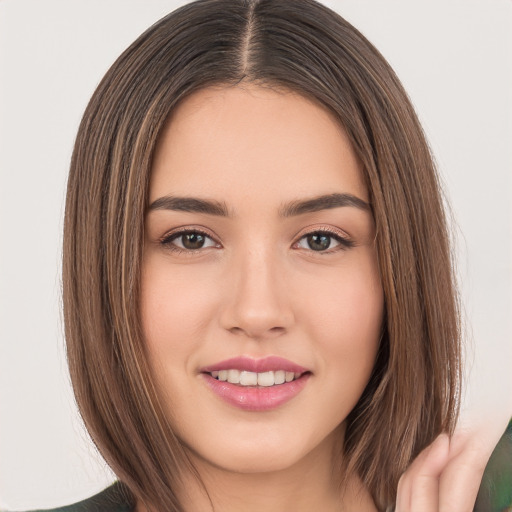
(244, 462)
(265, 453)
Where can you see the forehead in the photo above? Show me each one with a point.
(241, 141)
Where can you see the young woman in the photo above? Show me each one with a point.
(259, 301)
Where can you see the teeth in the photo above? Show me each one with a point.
(264, 379)
(279, 377)
(233, 376)
(248, 378)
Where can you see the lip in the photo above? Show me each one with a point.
(266, 364)
(254, 398)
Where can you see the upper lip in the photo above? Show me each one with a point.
(266, 364)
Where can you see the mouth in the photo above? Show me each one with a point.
(256, 384)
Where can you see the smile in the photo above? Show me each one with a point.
(256, 384)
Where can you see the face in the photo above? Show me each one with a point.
(261, 296)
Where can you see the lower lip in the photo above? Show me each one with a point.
(256, 398)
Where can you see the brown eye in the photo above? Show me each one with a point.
(318, 242)
(192, 240)
(321, 241)
(188, 241)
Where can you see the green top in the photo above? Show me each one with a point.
(495, 494)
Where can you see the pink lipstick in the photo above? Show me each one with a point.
(256, 384)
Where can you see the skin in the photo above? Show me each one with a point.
(257, 288)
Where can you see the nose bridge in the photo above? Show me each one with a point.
(259, 305)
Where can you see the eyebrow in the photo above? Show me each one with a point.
(325, 202)
(291, 209)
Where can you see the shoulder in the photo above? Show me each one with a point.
(115, 498)
(495, 492)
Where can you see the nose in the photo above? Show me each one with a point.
(258, 303)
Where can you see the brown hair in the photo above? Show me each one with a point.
(301, 45)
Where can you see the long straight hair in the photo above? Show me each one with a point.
(303, 46)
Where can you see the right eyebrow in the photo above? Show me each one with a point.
(190, 204)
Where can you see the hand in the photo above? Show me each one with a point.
(446, 476)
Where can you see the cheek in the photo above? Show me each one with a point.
(174, 309)
(345, 318)
(174, 313)
(348, 299)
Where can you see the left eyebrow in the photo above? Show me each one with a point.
(325, 202)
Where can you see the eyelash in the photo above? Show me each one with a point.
(344, 243)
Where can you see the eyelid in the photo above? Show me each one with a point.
(323, 228)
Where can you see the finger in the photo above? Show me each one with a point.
(404, 491)
(460, 480)
(403, 496)
(425, 489)
(418, 489)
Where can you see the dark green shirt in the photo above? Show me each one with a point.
(495, 494)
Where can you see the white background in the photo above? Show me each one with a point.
(454, 58)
